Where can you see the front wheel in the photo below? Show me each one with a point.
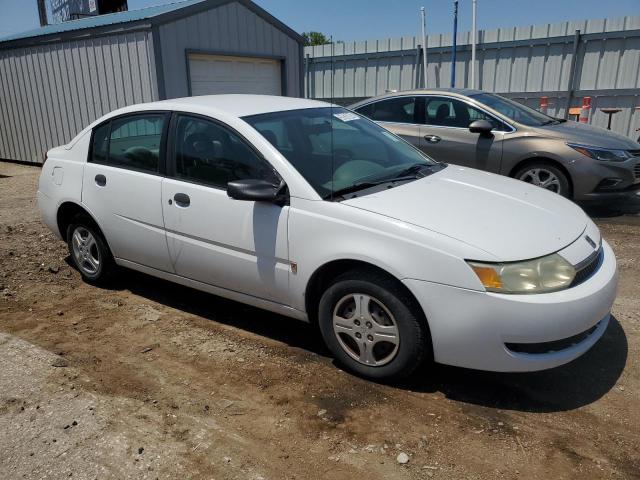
(372, 327)
(547, 176)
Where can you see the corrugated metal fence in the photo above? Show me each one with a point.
(563, 61)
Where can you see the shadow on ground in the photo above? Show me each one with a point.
(570, 386)
(579, 383)
(260, 322)
(625, 211)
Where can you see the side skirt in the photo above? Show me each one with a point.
(221, 292)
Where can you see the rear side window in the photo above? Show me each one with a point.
(399, 110)
(131, 142)
(100, 150)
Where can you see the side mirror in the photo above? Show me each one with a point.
(257, 191)
(483, 127)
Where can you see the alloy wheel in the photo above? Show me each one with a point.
(543, 178)
(86, 251)
(366, 330)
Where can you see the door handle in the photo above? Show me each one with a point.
(101, 180)
(432, 138)
(182, 200)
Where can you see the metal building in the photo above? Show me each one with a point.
(57, 79)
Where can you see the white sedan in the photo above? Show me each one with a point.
(314, 212)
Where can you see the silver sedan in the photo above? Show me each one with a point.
(486, 131)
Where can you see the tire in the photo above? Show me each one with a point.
(376, 354)
(538, 173)
(89, 251)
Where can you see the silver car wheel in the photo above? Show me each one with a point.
(541, 177)
(366, 330)
(85, 250)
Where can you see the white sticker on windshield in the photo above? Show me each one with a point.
(346, 116)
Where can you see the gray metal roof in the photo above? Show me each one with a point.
(153, 14)
(101, 20)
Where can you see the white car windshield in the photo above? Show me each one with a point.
(335, 149)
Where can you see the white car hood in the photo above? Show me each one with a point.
(506, 218)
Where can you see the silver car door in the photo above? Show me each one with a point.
(446, 136)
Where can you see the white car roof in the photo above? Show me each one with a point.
(238, 105)
(228, 105)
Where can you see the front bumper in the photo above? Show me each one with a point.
(587, 176)
(470, 328)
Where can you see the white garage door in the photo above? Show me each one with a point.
(211, 74)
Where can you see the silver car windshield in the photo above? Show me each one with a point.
(514, 110)
(335, 149)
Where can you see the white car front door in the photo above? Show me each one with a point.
(233, 244)
(121, 187)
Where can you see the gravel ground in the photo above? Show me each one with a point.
(151, 380)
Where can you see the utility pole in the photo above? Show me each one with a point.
(42, 12)
(453, 51)
(473, 43)
(424, 45)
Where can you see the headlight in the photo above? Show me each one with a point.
(602, 154)
(546, 274)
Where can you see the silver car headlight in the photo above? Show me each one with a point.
(542, 275)
(602, 154)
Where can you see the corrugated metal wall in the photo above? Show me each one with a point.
(230, 28)
(49, 93)
(523, 63)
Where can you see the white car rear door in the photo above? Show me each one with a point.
(122, 186)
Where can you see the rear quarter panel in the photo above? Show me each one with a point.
(61, 179)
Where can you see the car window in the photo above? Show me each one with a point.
(514, 110)
(332, 147)
(449, 112)
(100, 148)
(208, 153)
(399, 109)
(277, 135)
(134, 142)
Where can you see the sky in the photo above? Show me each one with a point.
(374, 19)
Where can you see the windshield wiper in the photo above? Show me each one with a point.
(364, 185)
(413, 169)
(404, 175)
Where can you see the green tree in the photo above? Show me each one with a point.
(315, 38)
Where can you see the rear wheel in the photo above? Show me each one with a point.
(89, 251)
(545, 175)
(372, 327)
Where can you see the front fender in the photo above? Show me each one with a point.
(520, 149)
(323, 232)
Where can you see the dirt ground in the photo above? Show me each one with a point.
(152, 380)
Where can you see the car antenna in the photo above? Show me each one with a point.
(331, 118)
